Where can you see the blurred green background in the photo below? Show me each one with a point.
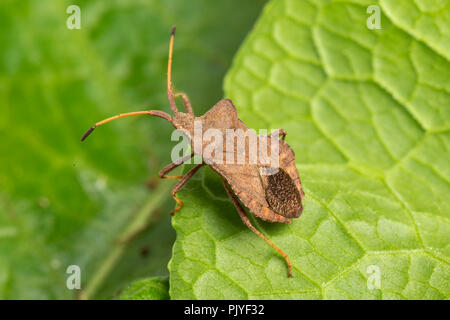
(98, 205)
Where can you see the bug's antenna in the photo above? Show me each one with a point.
(156, 113)
(173, 106)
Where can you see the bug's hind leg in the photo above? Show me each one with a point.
(172, 166)
(186, 102)
(181, 184)
(247, 222)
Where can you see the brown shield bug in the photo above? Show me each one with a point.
(272, 196)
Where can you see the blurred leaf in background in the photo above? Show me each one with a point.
(65, 203)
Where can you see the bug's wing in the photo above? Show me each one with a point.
(245, 179)
(245, 182)
(276, 198)
(282, 194)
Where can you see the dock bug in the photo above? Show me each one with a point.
(272, 196)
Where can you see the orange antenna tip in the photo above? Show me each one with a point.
(174, 27)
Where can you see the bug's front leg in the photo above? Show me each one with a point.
(186, 102)
(181, 184)
(172, 166)
(279, 133)
(247, 222)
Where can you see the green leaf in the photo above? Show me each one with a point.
(367, 114)
(147, 289)
(65, 203)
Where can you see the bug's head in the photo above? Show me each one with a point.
(183, 121)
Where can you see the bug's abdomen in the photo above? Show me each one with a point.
(282, 195)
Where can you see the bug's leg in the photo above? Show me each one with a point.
(173, 165)
(181, 184)
(279, 133)
(186, 102)
(247, 222)
(170, 94)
